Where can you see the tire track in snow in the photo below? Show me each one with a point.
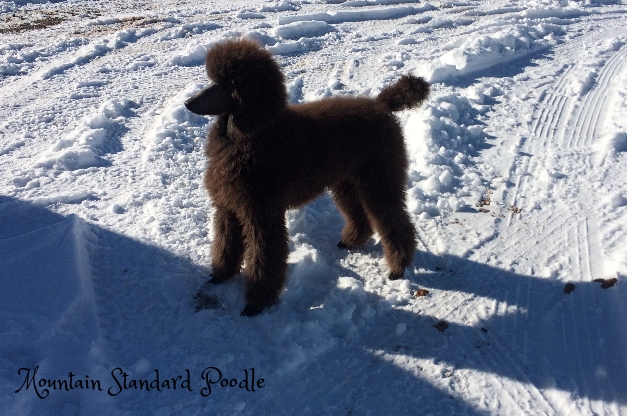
(548, 222)
(516, 317)
(525, 391)
(543, 127)
(560, 103)
(589, 118)
(555, 112)
(580, 334)
(520, 396)
(555, 98)
(591, 260)
(578, 350)
(585, 126)
(559, 93)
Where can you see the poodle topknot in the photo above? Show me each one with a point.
(266, 156)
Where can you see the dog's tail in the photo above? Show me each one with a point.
(408, 92)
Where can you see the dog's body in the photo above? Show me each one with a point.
(266, 157)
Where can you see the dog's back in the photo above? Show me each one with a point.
(324, 142)
(338, 136)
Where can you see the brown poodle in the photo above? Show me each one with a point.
(266, 157)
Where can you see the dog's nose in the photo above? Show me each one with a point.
(211, 101)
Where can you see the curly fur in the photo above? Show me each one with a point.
(265, 157)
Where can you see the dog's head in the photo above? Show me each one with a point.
(246, 82)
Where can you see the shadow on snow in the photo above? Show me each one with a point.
(534, 334)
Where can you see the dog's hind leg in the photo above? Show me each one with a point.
(384, 203)
(227, 250)
(266, 240)
(357, 229)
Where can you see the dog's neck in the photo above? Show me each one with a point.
(233, 132)
(237, 128)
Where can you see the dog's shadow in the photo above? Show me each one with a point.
(344, 346)
(522, 327)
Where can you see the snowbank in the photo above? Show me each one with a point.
(442, 141)
(478, 52)
(46, 271)
(357, 16)
(91, 140)
(301, 29)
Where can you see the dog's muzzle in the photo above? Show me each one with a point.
(211, 101)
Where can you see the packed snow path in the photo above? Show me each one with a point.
(517, 187)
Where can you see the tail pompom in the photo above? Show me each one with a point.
(408, 92)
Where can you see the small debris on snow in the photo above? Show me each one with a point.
(441, 325)
(206, 301)
(485, 201)
(421, 293)
(605, 283)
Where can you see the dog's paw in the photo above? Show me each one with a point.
(396, 275)
(251, 310)
(343, 245)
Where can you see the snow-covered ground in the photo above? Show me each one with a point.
(517, 186)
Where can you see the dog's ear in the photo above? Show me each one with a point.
(211, 101)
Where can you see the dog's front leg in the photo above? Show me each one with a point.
(227, 250)
(266, 239)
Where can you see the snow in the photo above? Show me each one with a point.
(82, 147)
(517, 185)
(480, 51)
(356, 16)
(301, 29)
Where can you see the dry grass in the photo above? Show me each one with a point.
(42, 23)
